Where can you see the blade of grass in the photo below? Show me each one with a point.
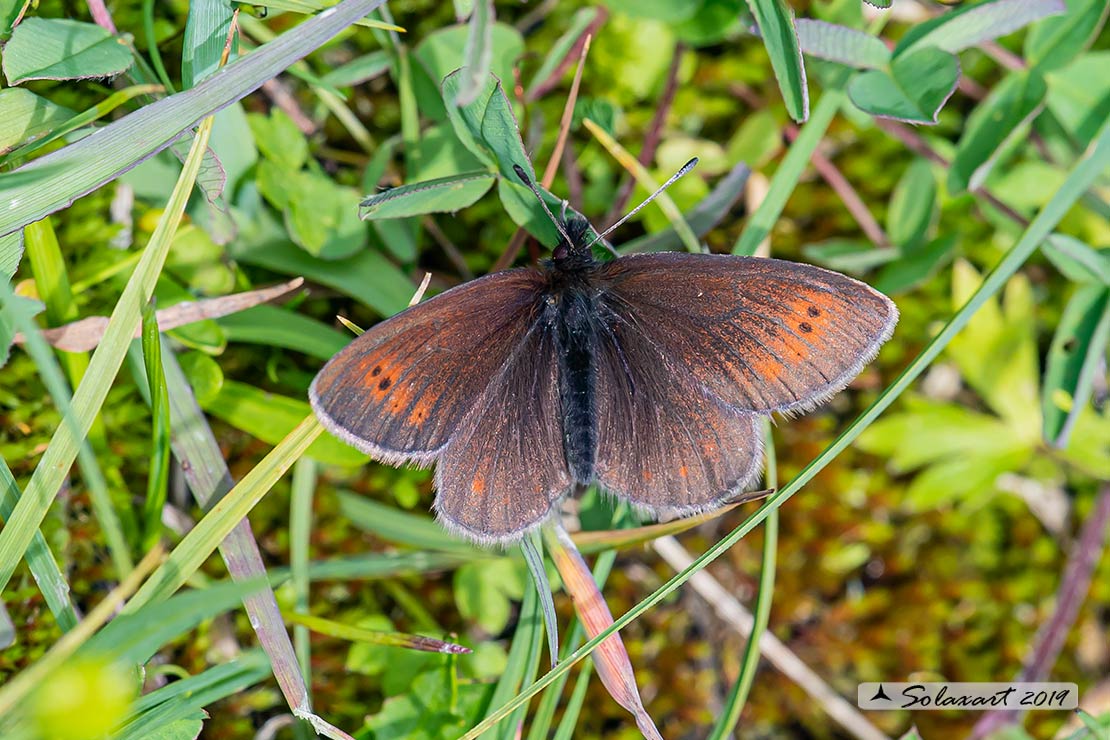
(44, 567)
(55, 180)
(105, 363)
(790, 171)
(729, 715)
(158, 474)
(776, 26)
(300, 537)
(523, 663)
(531, 548)
(114, 514)
(358, 634)
(17, 689)
(646, 181)
(210, 531)
(209, 479)
(1086, 171)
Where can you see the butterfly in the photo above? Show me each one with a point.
(648, 375)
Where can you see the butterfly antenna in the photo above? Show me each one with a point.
(685, 168)
(539, 196)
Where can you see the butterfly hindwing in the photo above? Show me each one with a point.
(664, 443)
(504, 470)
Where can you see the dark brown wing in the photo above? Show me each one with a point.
(504, 471)
(664, 443)
(760, 334)
(399, 391)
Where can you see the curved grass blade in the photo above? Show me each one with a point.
(776, 26)
(1073, 360)
(531, 547)
(158, 475)
(57, 179)
(729, 716)
(103, 366)
(1081, 177)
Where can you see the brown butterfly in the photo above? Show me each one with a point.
(646, 374)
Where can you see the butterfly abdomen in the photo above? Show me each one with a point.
(574, 345)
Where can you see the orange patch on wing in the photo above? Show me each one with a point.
(419, 413)
(682, 470)
(478, 485)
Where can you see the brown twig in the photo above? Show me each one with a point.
(574, 52)
(281, 97)
(848, 195)
(448, 248)
(573, 176)
(1069, 598)
(918, 145)
(520, 235)
(101, 16)
(652, 137)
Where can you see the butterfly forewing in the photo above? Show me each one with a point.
(759, 334)
(664, 442)
(504, 470)
(400, 391)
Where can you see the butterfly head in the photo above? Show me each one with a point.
(573, 248)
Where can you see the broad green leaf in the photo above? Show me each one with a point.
(439, 153)
(776, 27)
(279, 139)
(849, 255)
(135, 636)
(62, 49)
(199, 262)
(278, 327)
(1056, 41)
(27, 117)
(1076, 260)
(915, 264)
(10, 312)
(206, 32)
(270, 417)
(367, 276)
(963, 478)
(484, 591)
(358, 70)
(558, 52)
(841, 44)
(714, 22)
(660, 10)
(444, 194)
(1079, 95)
(881, 4)
(443, 51)
(322, 217)
(478, 53)
(11, 251)
(402, 528)
(971, 25)
(916, 89)
(1078, 347)
(57, 179)
(997, 352)
(204, 374)
(1002, 118)
(912, 204)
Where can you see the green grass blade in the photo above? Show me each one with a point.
(209, 479)
(158, 475)
(300, 534)
(57, 179)
(44, 567)
(105, 363)
(210, 531)
(1081, 177)
(729, 715)
(789, 172)
(776, 26)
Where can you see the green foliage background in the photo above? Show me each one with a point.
(932, 549)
